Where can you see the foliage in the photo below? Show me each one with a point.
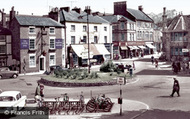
(109, 67)
(74, 74)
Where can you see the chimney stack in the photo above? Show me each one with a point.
(120, 8)
(12, 13)
(164, 18)
(54, 14)
(78, 10)
(67, 9)
(87, 10)
(141, 8)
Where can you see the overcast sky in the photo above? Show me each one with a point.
(42, 7)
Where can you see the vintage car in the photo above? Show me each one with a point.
(5, 72)
(12, 99)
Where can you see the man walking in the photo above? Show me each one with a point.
(176, 87)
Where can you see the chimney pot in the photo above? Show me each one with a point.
(140, 8)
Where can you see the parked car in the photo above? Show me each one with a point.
(12, 100)
(5, 72)
(52, 68)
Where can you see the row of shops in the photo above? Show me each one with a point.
(131, 49)
(98, 53)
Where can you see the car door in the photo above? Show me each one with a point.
(8, 73)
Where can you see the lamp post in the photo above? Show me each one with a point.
(87, 10)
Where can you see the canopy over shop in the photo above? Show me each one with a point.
(98, 54)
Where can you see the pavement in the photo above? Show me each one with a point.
(128, 105)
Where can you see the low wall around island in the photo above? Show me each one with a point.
(68, 84)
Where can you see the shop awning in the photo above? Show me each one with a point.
(131, 47)
(135, 47)
(123, 48)
(142, 47)
(78, 49)
(93, 49)
(150, 46)
(102, 49)
(81, 51)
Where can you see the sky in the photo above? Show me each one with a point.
(42, 7)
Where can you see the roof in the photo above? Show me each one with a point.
(180, 23)
(9, 93)
(4, 31)
(37, 21)
(73, 16)
(139, 15)
(115, 18)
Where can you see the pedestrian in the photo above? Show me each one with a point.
(134, 65)
(42, 92)
(66, 98)
(173, 65)
(81, 98)
(175, 69)
(179, 66)
(37, 93)
(156, 63)
(152, 59)
(176, 87)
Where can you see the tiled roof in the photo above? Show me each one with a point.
(73, 16)
(139, 15)
(37, 21)
(4, 31)
(180, 23)
(115, 18)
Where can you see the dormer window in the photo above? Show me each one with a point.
(32, 30)
(52, 30)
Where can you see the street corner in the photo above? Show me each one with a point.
(129, 105)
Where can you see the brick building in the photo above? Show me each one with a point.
(37, 42)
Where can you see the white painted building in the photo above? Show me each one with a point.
(76, 36)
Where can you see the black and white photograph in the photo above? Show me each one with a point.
(82, 59)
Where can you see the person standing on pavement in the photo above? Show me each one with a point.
(42, 92)
(156, 63)
(133, 65)
(37, 92)
(152, 59)
(176, 87)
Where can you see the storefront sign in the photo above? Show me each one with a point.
(58, 43)
(135, 43)
(24, 43)
(185, 50)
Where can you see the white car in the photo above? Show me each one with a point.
(13, 99)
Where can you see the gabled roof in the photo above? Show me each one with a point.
(37, 21)
(4, 31)
(115, 18)
(139, 15)
(180, 23)
(73, 16)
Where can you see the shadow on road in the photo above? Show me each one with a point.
(164, 96)
(155, 72)
(150, 114)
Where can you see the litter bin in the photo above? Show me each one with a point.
(131, 71)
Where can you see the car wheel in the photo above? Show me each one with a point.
(14, 76)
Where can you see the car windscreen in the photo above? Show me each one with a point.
(6, 98)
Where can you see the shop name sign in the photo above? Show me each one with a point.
(24, 43)
(185, 50)
(58, 43)
(121, 80)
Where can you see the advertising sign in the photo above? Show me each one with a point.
(58, 43)
(24, 43)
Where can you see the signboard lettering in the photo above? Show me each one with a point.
(58, 43)
(24, 43)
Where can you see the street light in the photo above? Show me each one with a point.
(87, 10)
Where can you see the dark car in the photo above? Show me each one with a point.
(52, 68)
(5, 72)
